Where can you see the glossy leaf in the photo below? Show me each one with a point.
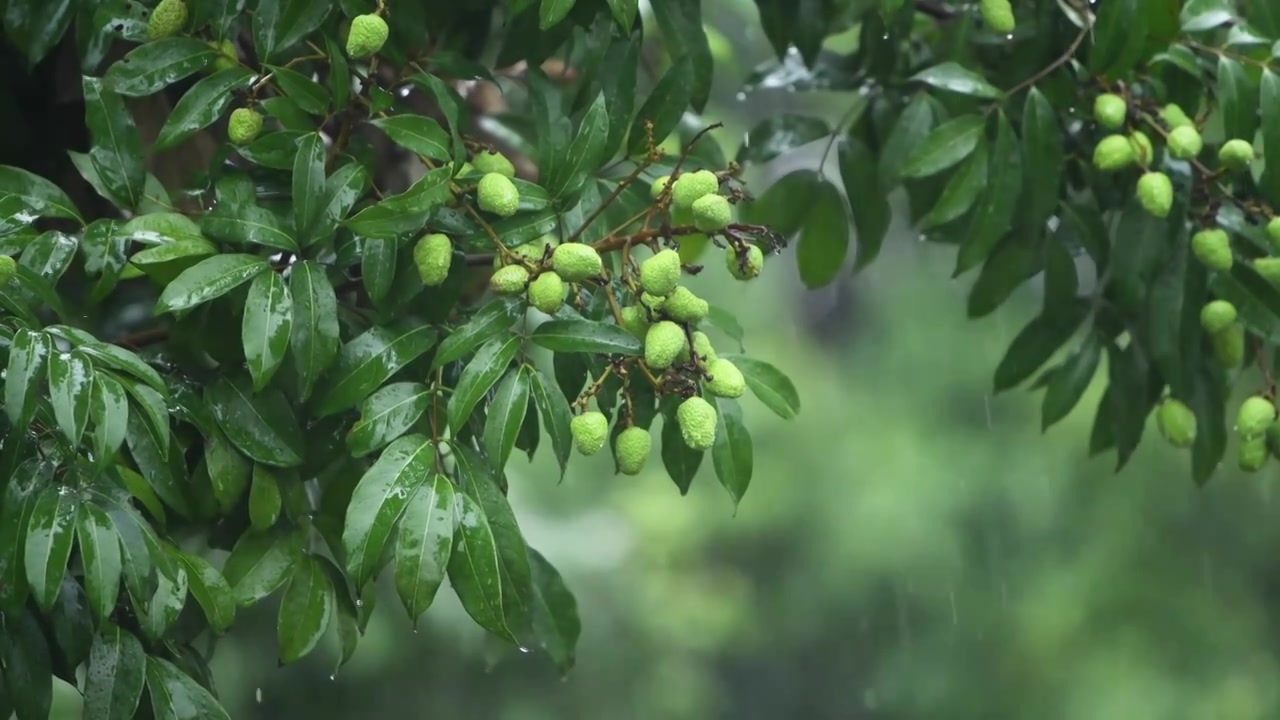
(505, 415)
(780, 134)
(265, 331)
(260, 563)
(681, 25)
(305, 610)
(370, 360)
(555, 613)
(994, 211)
(953, 77)
(175, 696)
(867, 200)
(262, 426)
(100, 556)
(386, 415)
(116, 675)
(585, 336)
(417, 134)
(153, 66)
(37, 194)
(201, 106)
(945, 146)
(485, 368)
(1069, 381)
(406, 212)
(24, 375)
(769, 385)
(424, 545)
(664, 106)
(490, 321)
(313, 337)
(378, 501)
(680, 461)
(210, 590)
(824, 238)
(378, 267)
(116, 155)
(1042, 150)
(50, 536)
(556, 415)
(264, 498)
(733, 453)
(308, 187)
(473, 569)
(210, 279)
(70, 389)
(26, 661)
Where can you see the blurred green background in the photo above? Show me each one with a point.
(911, 547)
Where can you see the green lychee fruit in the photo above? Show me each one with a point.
(433, 255)
(1155, 192)
(632, 450)
(660, 274)
(167, 19)
(663, 343)
(1255, 414)
(1236, 154)
(590, 430)
(1268, 268)
(228, 57)
(1228, 347)
(1174, 117)
(1212, 247)
(702, 346)
(1109, 111)
(726, 379)
(998, 15)
(658, 186)
(576, 262)
(546, 292)
(697, 420)
(635, 320)
(1216, 316)
(532, 252)
(653, 302)
(1252, 454)
(243, 126)
(8, 268)
(1176, 423)
(496, 194)
(693, 186)
(683, 306)
(1113, 152)
(1185, 142)
(367, 36)
(493, 162)
(1273, 232)
(509, 280)
(711, 213)
(746, 266)
(1143, 151)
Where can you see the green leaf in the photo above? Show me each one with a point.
(824, 239)
(490, 321)
(265, 330)
(260, 563)
(45, 23)
(170, 597)
(211, 591)
(246, 224)
(952, 77)
(489, 364)
(28, 357)
(556, 416)
(555, 613)
(910, 130)
(585, 336)
(264, 498)
(49, 255)
(551, 12)
(867, 200)
(1237, 100)
(115, 675)
(584, 154)
(155, 65)
(681, 25)
(378, 267)
(27, 666)
(1269, 111)
(280, 24)
(505, 415)
(733, 454)
(386, 415)
(994, 212)
(116, 154)
(680, 461)
(228, 470)
(1042, 150)
(201, 106)
(37, 194)
(780, 134)
(416, 133)
(210, 279)
(154, 414)
(100, 557)
(308, 187)
(370, 360)
(1034, 345)
(1069, 381)
(262, 426)
(70, 387)
(474, 572)
(307, 93)
(275, 150)
(624, 13)
(664, 107)
(50, 535)
(378, 501)
(1265, 16)
(945, 146)
(769, 385)
(313, 336)
(305, 610)
(406, 212)
(175, 696)
(424, 544)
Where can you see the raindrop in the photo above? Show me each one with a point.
(333, 677)
(741, 96)
(1009, 36)
(257, 695)
(360, 603)
(523, 649)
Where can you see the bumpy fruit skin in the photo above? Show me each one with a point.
(658, 186)
(1212, 247)
(590, 430)
(509, 280)
(8, 268)
(635, 320)
(1155, 192)
(495, 193)
(367, 36)
(493, 162)
(1143, 151)
(1176, 423)
(243, 126)
(998, 15)
(651, 301)
(576, 262)
(702, 346)
(1236, 154)
(1252, 455)
(693, 186)
(683, 306)
(1269, 268)
(532, 251)
(167, 19)
(546, 292)
(711, 213)
(433, 255)
(1228, 347)
(663, 344)
(660, 274)
(744, 268)
(1109, 111)
(697, 420)
(1185, 142)
(1273, 232)
(1216, 316)
(632, 450)
(227, 58)
(726, 379)
(1174, 117)
(1113, 152)
(1255, 414)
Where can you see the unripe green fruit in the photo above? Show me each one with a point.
(546, 292)
(1143, 151)
(367, 35)
(726, 379)
(1176, 423)
(1185, 142)
(663, 343)
(227, 58)
(576, 262)
(998, 15)
(683, 306)
(590, 430)
(509, 280)
(1268, 268)
(167, 19)
(702, 346)
(533, 251)
(243, 126)
(660, 274)
(693, 186)
(1252, 455)
(1113, 152)
(496, 194)
(433, 255)
(1109, 111)
(746, 267)
(632, 450)
(1236, 154)
(697, 420)
(635, 320)
(653, 302)
(1273, 232)
(1155, 192)
(1228, 347)
(1216, 316)
(1255, 414)
(711, 213)
(492, 162)
(8, 268)
(1174, 117)
(1212, 247)
(658, 186)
